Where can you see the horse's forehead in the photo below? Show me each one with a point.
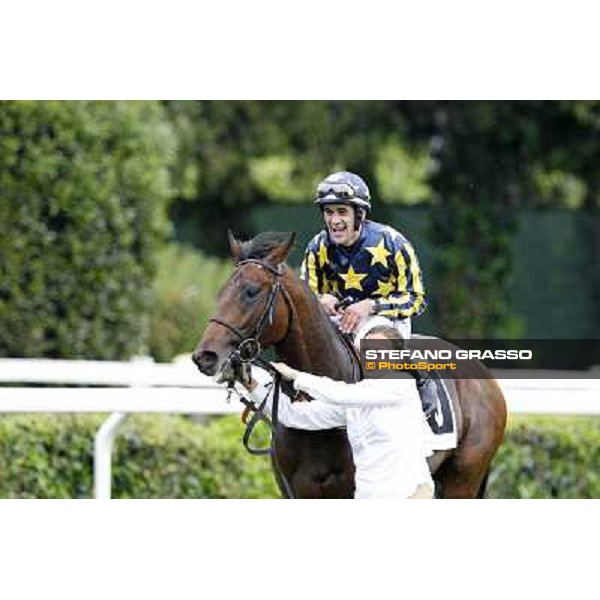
(249, 274)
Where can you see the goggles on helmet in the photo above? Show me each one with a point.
(340, 190)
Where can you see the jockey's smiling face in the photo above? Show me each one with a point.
(339, 220)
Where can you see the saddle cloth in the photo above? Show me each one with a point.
(442, 420)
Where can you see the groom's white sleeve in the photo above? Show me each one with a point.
(299, 415)
(368, 392)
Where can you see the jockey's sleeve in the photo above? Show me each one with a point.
(363, 393)
(308, 271)
(407, 296)
(311, 269)
(299, 415)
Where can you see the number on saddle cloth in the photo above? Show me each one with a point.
(442, 420)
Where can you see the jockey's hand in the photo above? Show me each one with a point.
(286, 372)
(353, 316)
(328, 302)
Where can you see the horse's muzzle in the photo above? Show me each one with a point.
(206, 361)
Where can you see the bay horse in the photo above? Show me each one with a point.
(265, 299)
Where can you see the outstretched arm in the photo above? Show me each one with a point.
(299, 415)
(369, 392)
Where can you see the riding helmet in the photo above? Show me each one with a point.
(344, 188)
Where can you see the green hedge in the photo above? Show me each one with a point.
(172, 457)
(155, 456)
(548, 457)
(185, 295)
(83, 193)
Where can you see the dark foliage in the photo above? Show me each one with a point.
(83, 192)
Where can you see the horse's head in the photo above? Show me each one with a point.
(252, 305)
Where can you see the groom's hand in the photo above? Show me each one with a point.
(286, 372)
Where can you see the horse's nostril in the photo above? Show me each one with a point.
(206, 361)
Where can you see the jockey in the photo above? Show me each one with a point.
(372, 267)
(386, 428)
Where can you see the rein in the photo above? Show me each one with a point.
(248, 351)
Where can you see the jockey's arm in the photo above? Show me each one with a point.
(407, 297)
(314, 276)
(310, 271)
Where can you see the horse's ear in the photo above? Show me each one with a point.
(281, 251)
(234, 246)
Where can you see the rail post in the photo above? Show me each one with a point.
(103, 443)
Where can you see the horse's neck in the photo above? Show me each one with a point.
(312, 344)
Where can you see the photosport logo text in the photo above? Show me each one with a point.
(477, 359)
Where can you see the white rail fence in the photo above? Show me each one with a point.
(144, 386)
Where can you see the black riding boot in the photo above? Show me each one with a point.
(427, 391)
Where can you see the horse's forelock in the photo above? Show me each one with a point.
(260, 246)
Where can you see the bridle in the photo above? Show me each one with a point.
(248, 351)
(249, 346)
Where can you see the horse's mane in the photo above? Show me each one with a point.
(260, 246)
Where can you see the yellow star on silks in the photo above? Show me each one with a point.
(379, 253)
(322, 254)
(385, 288)
(352, 279)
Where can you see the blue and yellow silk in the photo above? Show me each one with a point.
(381, 265)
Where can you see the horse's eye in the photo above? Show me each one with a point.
(250, 293)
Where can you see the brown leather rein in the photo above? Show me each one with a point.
(248, 351)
